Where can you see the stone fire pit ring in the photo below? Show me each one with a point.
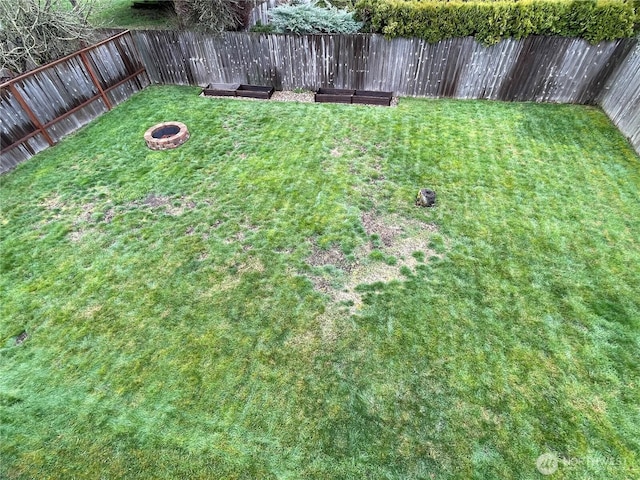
(167, 135)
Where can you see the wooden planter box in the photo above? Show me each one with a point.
(254, 91)
(238, 90)
(368, 97)
(221, 89)
(372, 98)
(333, 95)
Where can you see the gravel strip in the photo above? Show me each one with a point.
(288, 96)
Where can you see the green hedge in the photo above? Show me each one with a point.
(490, 21)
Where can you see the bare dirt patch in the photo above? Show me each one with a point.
(342, 294)
(251, 265)
(87, 212)
(85, 221)
(109, 215)
(152, 200)
(333, 256)
(54, 202)
(173, 206)
(376, 225)
(399, 238)
(241, 235)
(77, 236)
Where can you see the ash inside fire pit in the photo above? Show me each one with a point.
(166, 135)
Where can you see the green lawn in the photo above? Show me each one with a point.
(266, 301)
(119, 14)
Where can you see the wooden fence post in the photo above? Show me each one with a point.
(30, 114)
(92, 74)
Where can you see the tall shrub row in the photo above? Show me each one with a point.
(490, 21)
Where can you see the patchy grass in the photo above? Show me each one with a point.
(120, 14)
(266, 301)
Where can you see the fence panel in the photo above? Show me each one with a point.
(620, 98)
(39, 108)
(542, 69)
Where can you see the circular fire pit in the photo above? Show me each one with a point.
(166, 135)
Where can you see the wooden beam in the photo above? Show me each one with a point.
(70, 112)
(30, 114)
(18, 142)
(92, 99)
(124, 80)
(92, 74)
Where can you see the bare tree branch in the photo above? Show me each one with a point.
(34, 32)
(213, 15)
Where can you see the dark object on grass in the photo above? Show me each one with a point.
(238, 90)
(340, 95)
(22, 337)
(426, 198)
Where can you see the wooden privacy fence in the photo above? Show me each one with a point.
(543, 69)
(620, 98)
(40, 107)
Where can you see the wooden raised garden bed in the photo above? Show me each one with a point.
(370, 97)
(221, 89)
(333, 95)
(254, 91)
(238, 90)
(339, 95)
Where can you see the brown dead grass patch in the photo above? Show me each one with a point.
(77, 235)
(108, 216)
(240, 236)
(399, 237)
(345, 295)
(383, 228)
(333, 256)
(323, 332)
(172, 206)
(54, 202)
(91, 311)
(251, 265)
(152, 200)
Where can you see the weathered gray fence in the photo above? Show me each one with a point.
(39, 108)
(543, 69)
(620, 98)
